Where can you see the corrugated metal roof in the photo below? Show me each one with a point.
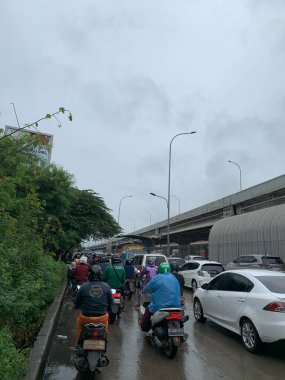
(257, 232)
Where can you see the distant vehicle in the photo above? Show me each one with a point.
(249, 302)
(130, 254)
(199, 272)
(257, 261)
(191, 257)
(140, 261)
(177, 260)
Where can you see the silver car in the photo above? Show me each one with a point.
(257, 261)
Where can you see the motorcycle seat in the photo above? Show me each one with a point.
(96, 325)
(173, 309)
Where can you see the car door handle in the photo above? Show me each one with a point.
(219, 296)
(241, 299)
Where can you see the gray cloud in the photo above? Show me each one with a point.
(134, 74)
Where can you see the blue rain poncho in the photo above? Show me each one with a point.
(165, 291)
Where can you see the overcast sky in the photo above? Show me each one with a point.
(134, 73)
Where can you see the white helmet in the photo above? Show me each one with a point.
(83, 260)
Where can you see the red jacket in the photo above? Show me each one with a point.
(81, 272)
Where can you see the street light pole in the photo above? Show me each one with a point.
(168, 194)
(232, 162)
(127, 196)
(134, 223)
(149, 214)
(174, 196)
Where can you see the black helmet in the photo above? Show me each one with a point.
(174, 267)
(116, 259)
(95, 273)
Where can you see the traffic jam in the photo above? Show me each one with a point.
(169, 300)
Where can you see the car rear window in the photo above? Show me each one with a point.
(276, 284)
(272, 260)
(212, 268)
(158, 259)
(178, 261)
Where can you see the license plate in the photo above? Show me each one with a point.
(96, 345)
(175, 330)
(117, 300)
(115, 308)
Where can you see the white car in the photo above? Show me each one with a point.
(249, 302)
(191, 257)
(140, 261)
(199, 272)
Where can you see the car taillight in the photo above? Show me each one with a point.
(175, 315)
(116, 295)
(278, 307)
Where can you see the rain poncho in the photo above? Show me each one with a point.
(165, 291)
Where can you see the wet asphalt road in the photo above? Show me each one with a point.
(210, 352)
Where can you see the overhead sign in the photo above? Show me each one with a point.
(43, 151)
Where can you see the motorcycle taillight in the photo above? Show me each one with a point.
(95, 333)
(116, 295)
(175, 315)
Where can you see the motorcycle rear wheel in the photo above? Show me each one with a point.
(112, 318)
(88, 375)
(170, 350)
(130, 295)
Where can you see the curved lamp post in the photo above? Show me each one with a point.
(159, 196)
(134, 224)
(149, 214)
(127, 196)
(168, 195)
(232, 162)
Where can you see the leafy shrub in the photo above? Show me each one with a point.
(12, 362)
(28, 289)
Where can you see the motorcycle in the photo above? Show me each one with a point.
(167, 332)
(117, 306)
(129, 288)
(91, 349)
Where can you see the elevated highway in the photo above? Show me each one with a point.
(195, 225)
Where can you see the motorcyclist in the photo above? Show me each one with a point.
(145, 275)
(130, 274)
(174, 270)
(80, 271)
(94, 298)
(165, 291)
(104, 262)
(77, 258)
(115, 274)
(130, 270)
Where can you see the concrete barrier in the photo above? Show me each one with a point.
(40, 350)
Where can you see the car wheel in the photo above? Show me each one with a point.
(198, 311)
(194, 285)
(250, 337)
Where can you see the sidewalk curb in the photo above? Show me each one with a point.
(39, 352)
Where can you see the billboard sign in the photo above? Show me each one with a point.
(43, 151)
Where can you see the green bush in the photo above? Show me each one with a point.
(12, 362)
(27, 291)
